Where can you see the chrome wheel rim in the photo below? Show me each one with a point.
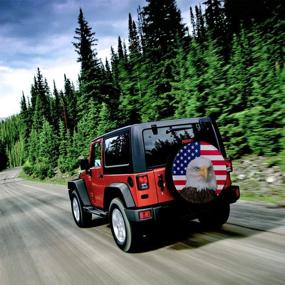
(75, 208)
(119, 227)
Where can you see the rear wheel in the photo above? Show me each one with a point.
(216, 217)
(121, 227)
(81, 218)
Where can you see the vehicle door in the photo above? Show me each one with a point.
(96, 173)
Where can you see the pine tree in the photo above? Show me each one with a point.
(200, 24)
(33, 147)
(235, 137)
(26, 119)
(129, 78)
(217, 27)
(186, 83)
(134, 41)
(91, 70)
(193, 23)
(56, 108)
(40, 98)
(47, 154)
(161, 27)
(266, 101)
(67, 159)
(71, 103)
(38, 117)
(105, 123)
(162, 35)
(86, 129)
(214, 97)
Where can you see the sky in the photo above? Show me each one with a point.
(39, 33)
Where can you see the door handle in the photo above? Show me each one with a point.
(100, 175)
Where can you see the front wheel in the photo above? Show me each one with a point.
(81, 218)
(216, 217)
(121, 227)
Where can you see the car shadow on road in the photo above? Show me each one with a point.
(246, 219)
(97, 222)
(186, 235)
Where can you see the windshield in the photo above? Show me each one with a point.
(161, 145)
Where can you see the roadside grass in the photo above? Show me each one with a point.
(275, 195)
(256, 188)
(60, 179)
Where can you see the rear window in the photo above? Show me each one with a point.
(117, 150)
(160, 147)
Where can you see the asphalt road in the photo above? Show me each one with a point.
(40, 244)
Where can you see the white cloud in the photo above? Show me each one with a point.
(12, 82)
(15, 80)
(104, 47)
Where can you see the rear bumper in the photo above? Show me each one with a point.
(155, 213)
(228, 196)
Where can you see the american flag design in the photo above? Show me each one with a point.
(192, 151)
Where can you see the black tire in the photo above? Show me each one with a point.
(121, 227)
(81, 218)
(216, 217)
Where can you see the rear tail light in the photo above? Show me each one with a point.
(229, 165)
(142, 181)
(146, 214)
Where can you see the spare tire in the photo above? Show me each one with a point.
(197, 172)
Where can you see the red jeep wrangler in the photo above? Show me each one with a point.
(136, 173)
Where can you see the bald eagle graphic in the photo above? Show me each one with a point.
(200, 181)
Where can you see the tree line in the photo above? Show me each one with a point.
(229, 65)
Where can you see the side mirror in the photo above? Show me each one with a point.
(84, 164)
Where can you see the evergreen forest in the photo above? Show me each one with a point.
(228, 65)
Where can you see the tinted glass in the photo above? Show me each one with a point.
(97, 155)
(160, 147)
(117, 150)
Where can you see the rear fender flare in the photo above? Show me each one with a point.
(118, 189)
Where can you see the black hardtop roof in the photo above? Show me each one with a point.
(163, 123)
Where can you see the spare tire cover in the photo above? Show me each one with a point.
(198, 172)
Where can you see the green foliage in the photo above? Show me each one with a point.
(67, 159)
(28, 168)
(12, 138)
(104, 124)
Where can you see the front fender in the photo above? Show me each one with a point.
(78, 185)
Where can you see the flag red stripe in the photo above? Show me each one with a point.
(218, 162)
(220, 182)
(220, 172)
(210, 152)
(179, 182)
(182, 182)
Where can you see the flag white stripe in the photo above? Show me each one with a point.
(179, 187)
(213, 157)
(179, 177)
(183, 177)
(221, 177)
(220, 167)
(207, 147)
